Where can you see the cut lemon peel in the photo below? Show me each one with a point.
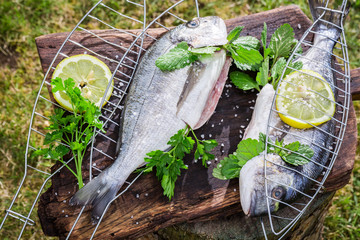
(305, 99)
(91, 76)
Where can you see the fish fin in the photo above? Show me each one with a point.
(317, 9)
(98, 193)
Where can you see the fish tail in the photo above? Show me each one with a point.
(332, 19)
(98, 193)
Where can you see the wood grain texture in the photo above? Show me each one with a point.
(355, 83)
(238, 227)
(198, 196)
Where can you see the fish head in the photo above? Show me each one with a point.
(201, 32)
(257, 195)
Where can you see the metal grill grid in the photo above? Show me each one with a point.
(342, 92)
(123, 70)
(122, 74)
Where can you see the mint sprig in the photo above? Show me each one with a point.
(282, 42)
(234, 34)
(245, 58)
(245, 52)
(293, 153)
(169, 163)
(74, 130)
(272, 62)
(181, 56)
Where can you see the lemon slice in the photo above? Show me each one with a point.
(91, 76)
(305, 99)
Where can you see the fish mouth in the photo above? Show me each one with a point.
(247, 187)
(251, 208)
(248, 205)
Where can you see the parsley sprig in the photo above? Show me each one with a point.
(169, 163)
(293, 153)
(71, 132)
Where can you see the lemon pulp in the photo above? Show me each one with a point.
(91, 76)
(304, 99)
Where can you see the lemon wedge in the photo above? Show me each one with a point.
(305, 98)
(91, 76)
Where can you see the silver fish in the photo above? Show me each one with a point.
(161, 103)
(284, 181)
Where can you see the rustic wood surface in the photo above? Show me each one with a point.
(355, 84)
(198, 196)
(240, 227)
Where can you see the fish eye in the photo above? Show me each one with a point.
(278, 193)
(192, 24)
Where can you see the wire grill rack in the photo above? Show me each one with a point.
(340, 70)
(123, 66)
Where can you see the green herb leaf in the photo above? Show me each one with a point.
(168, 185)
(300, 157)
(204, 50)
(262, 138)
(57, 85)
(298, 153)
(247, 42)
(296, 65)
(163, 162)
(234, 34)
(264, 36)
(246, 59)
(278, 68)
(249, 148)
(294, 146)
(53, 136)
(62, 150)
(176, 58)
(267, 51)
(209, 144)
(181, 143)
(168, 164)
(228, 168)
(293, 153)
(243, 81)
(282, 41)
(262, 77)
(41, 152)
(203, 149)
(299, 50)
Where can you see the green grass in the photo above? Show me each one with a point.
(21, 74)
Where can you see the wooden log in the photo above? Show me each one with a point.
(240, 227)
(198, 196)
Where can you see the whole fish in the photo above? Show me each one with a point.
(159, 104)
(285, 182)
